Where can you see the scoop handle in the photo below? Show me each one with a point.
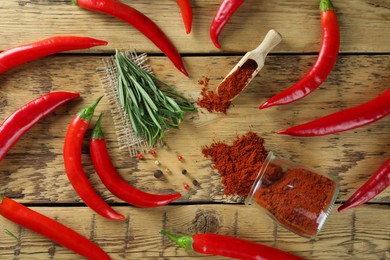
(272, 39)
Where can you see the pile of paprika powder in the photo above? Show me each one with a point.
(238, 163)
(296, 197)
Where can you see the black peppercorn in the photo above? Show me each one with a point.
(184, 171)
(195, 182)
(158, 174)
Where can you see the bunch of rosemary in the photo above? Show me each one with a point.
(150, 109)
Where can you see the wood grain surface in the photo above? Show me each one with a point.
(33, 173)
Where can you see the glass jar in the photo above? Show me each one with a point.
(298, 198)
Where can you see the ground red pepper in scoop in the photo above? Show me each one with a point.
(115, 183)
(229, 88)
(214, 244)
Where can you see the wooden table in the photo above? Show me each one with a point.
(33, 172)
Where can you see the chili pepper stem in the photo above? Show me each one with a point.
(324, 5)
(86, 114)
(183, 241)
(97, 130)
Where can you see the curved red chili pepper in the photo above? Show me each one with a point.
(186, 13)
(214, 244)
(72, 160)
(346, 119)
(375, 185)
(50, 228)
(114, 182)
(17, 124)
(322, 67)
(139, 21)
(28, 52)
(223, 15)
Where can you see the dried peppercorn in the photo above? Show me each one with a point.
(158, 174)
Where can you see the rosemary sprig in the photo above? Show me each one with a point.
(151, 110)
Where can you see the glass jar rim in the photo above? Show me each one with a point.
(257, 183)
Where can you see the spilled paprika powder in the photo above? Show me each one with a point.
(238, 163)
(297, 198)
(229, 88)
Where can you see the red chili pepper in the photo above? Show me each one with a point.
(114, 182)
(17, 124)
(375, 185)
(322, 67)
(139, 21)
(223, 15)
(346, 119)
(186, 13)
(214, 244)
(28, 52)
(50, 228)
(72, 160)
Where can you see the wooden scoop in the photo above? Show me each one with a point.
(257, 55)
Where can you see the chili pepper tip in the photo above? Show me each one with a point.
(184, 71)
(282, 132)
(216, 44)
(265, 105)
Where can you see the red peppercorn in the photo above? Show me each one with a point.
(186, 186)
(180, 158)
(153, 152)
(140, 156)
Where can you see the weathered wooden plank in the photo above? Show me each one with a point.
(363, 25)
(33, 170)
(352, 235)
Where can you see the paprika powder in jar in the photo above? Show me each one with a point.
(296, 197)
